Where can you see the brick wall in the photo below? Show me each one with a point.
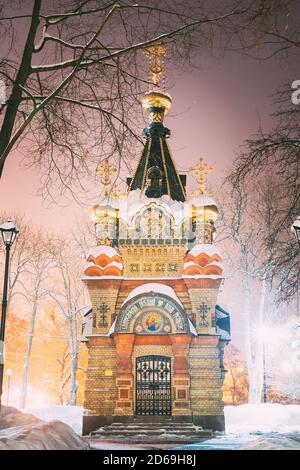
(100, 383)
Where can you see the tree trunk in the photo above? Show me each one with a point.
(20, 81)
(247, 333)
(28, 353)
(259, 358)
(74, 360)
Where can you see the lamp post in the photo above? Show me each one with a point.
(9, 232)
(296, 228)
(9, 374)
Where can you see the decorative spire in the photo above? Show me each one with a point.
(156, 173)
(156, 102)
(106, 170)
(201, 170)
(156, 55)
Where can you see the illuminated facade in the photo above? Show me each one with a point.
(155, 334)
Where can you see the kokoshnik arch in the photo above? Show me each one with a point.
(155, 334)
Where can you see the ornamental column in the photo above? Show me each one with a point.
(181, 376)
(124, 345)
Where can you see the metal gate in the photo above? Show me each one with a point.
(153, 385)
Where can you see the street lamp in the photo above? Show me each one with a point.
(9, 232)
(296, 228)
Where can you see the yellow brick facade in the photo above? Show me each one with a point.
(100, 383)
(206, 380)
(153, 262)
(207, 299)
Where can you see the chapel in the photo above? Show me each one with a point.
(155, 332)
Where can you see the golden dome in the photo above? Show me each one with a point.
(157, 99)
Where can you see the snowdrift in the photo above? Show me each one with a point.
(269, 417)
(20, 431)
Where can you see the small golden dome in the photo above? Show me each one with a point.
(99, 211)
(157, 99)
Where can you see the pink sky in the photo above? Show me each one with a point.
(214, 110)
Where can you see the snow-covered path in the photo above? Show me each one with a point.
(225, 442)
(266, 426)
(258, 441)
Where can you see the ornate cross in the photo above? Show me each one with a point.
(103, 309)
(203, 310)
(106, 170)
(201, 171)
(156, 55)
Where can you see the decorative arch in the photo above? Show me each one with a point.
(152, 313)
(153, 221)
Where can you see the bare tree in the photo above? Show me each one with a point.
(64, 363)
(236, 382)
(21, 253)
(275, 156)
(34, 290)
(244, 220)
(69, 294)
(74, 77)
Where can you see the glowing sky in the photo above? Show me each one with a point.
(215, 109)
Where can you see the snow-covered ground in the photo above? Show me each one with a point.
(71, 415)
(24, 431)
(267, 426)
(269, 417)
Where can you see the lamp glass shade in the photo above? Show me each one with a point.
(9, 231)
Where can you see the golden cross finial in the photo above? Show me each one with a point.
(156, 55)
(201, 170)
(105, 171)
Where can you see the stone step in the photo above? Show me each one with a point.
(148, 431)
(152, 425)
(151, 432)
(161, 430)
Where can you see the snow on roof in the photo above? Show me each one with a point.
(296, 224)
(206, 248)
(96, 251)
(153, 287)
(202, 276)
(108, 201)
(203, 200)
(192, 328)
(222, 309)
(137, 200)
(224, 334)
(192, 263)
(112, 328)
(87, 325)
(103, 268)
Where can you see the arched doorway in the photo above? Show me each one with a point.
(153, 386)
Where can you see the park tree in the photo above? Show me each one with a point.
(34, 290)
(68, 293)
(236, 380)
(275, 155)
